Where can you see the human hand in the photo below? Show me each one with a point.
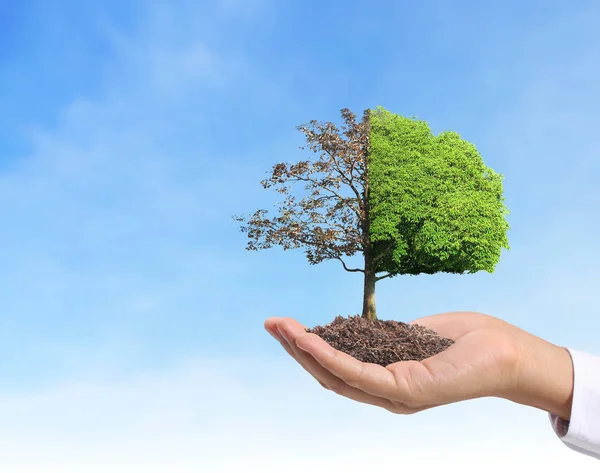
(490, 357)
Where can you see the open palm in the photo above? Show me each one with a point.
(482, 362)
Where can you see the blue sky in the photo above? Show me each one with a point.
(131, 132)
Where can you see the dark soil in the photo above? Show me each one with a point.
(381, 341)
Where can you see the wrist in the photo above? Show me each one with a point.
(545, 377)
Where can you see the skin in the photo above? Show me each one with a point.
(490, 358)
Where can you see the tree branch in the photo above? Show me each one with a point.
(348, 182)
(320, 219)
(383, 277)
(353, 270)
(318, 184)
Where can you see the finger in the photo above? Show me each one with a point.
(299, 359)
(272, 327)
(370, 378)
(272, 322)
(327, 379)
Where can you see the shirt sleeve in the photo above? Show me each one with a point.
(582, 432)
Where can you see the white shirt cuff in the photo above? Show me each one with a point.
(582, 432)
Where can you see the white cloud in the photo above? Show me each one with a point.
(259, 415)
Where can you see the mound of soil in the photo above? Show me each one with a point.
(381, 341)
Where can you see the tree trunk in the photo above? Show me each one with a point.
(369, 311)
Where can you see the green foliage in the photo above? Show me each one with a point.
(433, 204)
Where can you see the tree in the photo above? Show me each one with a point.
(385, 186)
